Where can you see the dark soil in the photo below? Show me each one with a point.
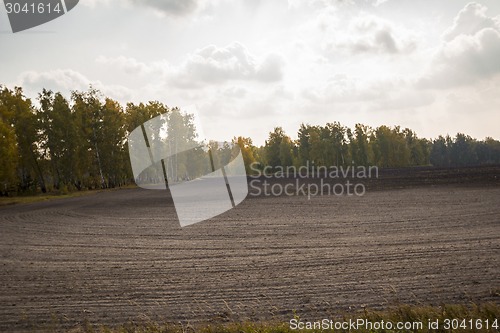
(418, 236)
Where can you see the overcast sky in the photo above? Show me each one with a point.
(250, 65)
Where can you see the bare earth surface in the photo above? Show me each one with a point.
(121, 255)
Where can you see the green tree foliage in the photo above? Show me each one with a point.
(81, 143)
(181, 139)
(136, 115)
(278, 149)
(393, 147)
(18, 114)
(58, 141)
(360, 148)
(304, 143)
(248, 151)
(464, 150)
(390, 147)
(90, 135)
(336, 145)
(64, 145)
(114, 157)
(323, 145)
(9, 156)
(440, 155)
(417, 147)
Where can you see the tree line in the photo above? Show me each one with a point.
(66, 145)
(385, 147)
(61, 144)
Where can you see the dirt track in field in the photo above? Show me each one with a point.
(121, 255)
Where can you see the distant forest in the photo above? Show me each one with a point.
(80, 143)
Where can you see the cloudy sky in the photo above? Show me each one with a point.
(250, 65)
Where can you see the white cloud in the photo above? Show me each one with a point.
(67, 80)
(470, 20)
(213, 65)
(344, 89)
(379, 2)
(405, 98)
(133, 66)
(170, 7)
(221, 113)
(235, 92)
(129, 65)
(94, 3)
(379, 41)
(368, 34)
(379, 96)
(469, 54)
